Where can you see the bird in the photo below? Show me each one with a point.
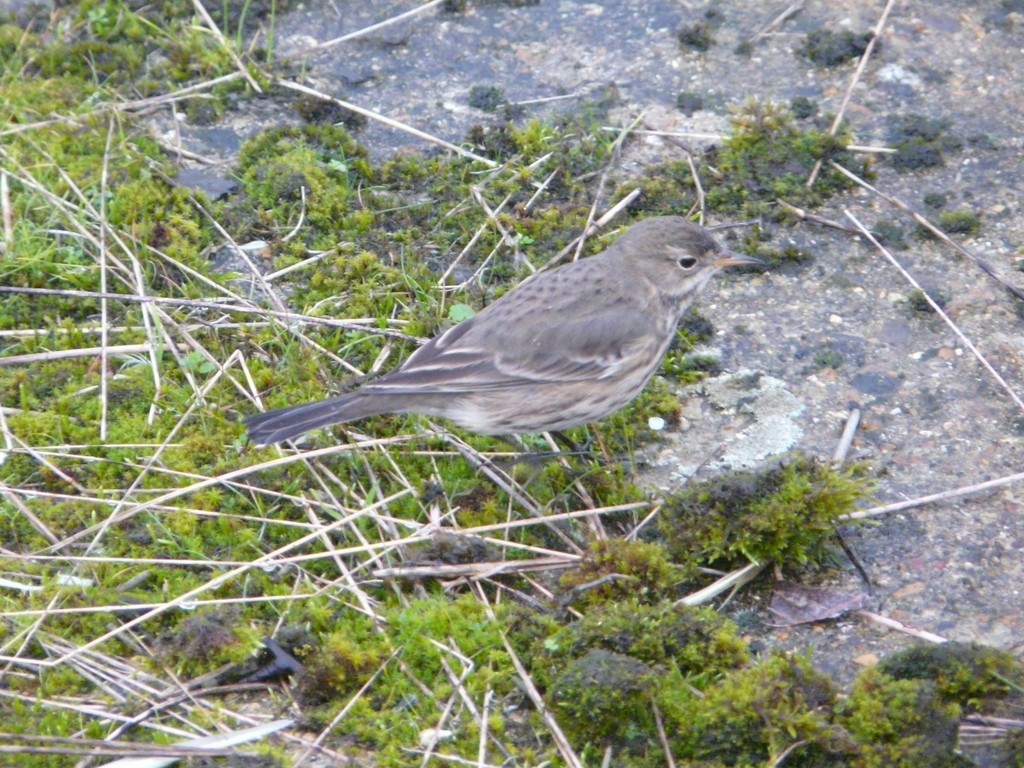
(568, 346)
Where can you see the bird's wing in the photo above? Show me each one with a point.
(585, 348)
(597, 346)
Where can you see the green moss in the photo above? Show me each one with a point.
(767, 158)
(666, 190)
(487, 98)
(112, 44)
(890, 234)
(603, 672)
(205, 640)
(803, 108)
(752, 715)
(314, 169)
(614, 569)
(688, 102)
(337, 664)
(697, 642)
(827, 357)
(693, 329)
(827, 48)
(778, 258)
(103, 62)
(920, 142)
(161, 217)
(412, 648)
(967, 674)
(422, 621)
(429, 185)
(960, 222)
(623, 431)
(983, 141)
(900, 722)
(918, 303)
(784, 514)
(603, 697)
(697, 37)
(689, 369)
(13, 40)
(454, 549)
(313, 109)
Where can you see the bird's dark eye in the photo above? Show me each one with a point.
(688, 262)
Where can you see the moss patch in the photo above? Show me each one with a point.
(783, 513)
(921, 142)
(767, 158)
(827, 48)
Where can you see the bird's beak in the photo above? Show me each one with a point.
(729, 259)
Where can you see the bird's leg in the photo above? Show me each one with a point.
(565, 447)
(527, 454)
(571, 446)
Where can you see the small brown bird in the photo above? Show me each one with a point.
(568, 346)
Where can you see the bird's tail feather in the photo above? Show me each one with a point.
(287, 423)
